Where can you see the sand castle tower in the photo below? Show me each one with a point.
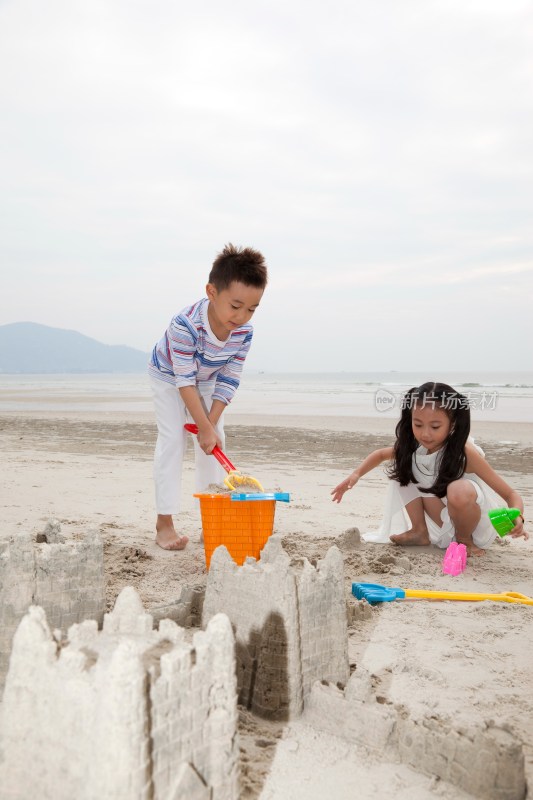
(290, 625)
(63, 576)
(128, 713)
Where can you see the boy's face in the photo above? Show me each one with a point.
(232, 307)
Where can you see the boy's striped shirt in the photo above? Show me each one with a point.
(189, 353)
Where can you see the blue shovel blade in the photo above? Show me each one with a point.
(376, 593)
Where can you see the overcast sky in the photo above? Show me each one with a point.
(379, 153)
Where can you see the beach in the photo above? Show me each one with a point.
(457, 662)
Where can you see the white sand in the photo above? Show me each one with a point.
(459, 661)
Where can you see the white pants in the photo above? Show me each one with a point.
(441, 536)
(171, 415)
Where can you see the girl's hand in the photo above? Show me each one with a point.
(347, 483)
(518, 529)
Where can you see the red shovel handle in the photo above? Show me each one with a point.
(216, 451)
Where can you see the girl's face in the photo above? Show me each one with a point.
(431, 426)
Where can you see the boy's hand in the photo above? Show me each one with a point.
(347, 483)
(207, 438)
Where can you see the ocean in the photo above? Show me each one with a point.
(493, 396)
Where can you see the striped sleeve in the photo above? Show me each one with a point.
(182, 337)
(229, 377)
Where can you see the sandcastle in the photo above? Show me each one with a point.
(290, 625)
(128, 713)
(63, 576)
(134, 713)
(481, 758)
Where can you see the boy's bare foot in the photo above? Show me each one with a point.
(166, 536)
(171, 543)
(415, 536)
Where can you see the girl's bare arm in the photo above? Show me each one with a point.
(370, 462)
(480, 466)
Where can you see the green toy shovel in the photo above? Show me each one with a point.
(503, 519)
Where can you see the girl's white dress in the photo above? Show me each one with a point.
(425, 466)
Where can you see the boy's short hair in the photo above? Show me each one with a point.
(240, 264)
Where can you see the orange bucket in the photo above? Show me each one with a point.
(243, 527)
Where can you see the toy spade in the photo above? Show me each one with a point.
(235, 479)
(503, 519)
(375, 593)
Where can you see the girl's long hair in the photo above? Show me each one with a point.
(452, 459)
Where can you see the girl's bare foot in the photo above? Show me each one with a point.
(415, 536)
(166, 536)
(474, 550)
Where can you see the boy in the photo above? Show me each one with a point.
(195, 371)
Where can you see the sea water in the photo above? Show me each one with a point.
(493, 396)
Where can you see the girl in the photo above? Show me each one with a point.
(441, 483)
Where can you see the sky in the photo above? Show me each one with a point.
(379, 154)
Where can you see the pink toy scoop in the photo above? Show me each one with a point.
(454, 560)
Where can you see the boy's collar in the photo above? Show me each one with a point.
(207, 326)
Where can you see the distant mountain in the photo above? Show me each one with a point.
(26, 347)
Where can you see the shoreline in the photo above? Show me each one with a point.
(515, 433)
